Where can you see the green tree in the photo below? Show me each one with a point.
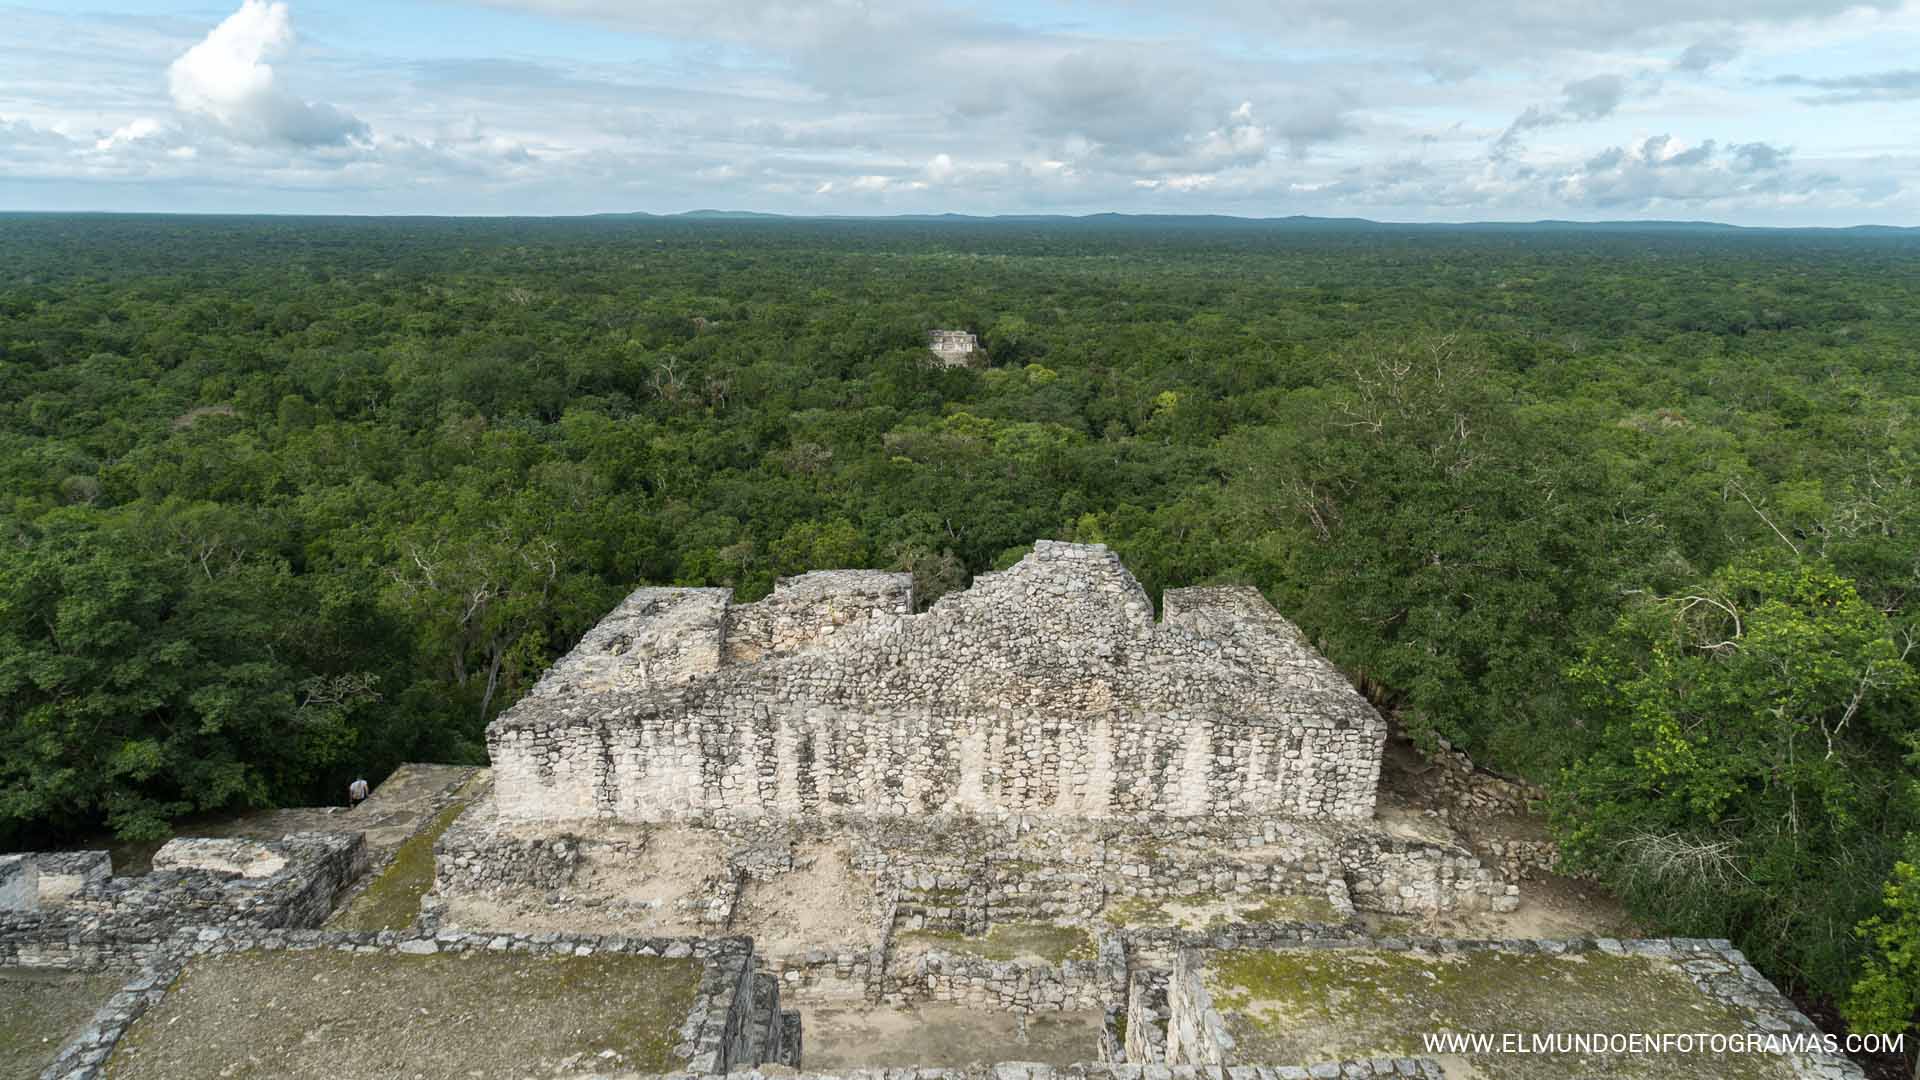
(136, 686)
(1886, 996)
(1746, 781)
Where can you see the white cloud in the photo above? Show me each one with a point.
(1188, 182)
(145, 127)
(931, 105)
(227, 79)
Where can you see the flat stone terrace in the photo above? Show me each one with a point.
(1362, 998)
(71, 930)
(334, 1014)
(307, 1003)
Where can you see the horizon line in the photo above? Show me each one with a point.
(744, 216)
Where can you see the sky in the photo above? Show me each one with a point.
(1755, 112)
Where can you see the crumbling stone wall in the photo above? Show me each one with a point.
(1411, 877)
(665, 637)
(976, 982)
(1147, 1014)
(223, 855)
(122, 921)
(1196, 1033)
(809, 610)
(1045, 689)
(40, 879)
(828, 971)
(656, 638)
(473, 858)
(19, 884)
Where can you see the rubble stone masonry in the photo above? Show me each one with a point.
(1045, 689)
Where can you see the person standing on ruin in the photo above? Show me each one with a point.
(356, 793)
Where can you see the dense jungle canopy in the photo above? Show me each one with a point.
(1631, 512)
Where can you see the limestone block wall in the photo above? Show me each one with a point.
(119, 921)
(826, 972)
(63, 873)
(1196, 1033)
(976, 982)
(31, 880)
(969, 899)
(811, 609)
(723, 1011)
(505, 863)
(768, 1027)
(1147, 1014)
(1045, 689)
(19, 884)
(1410, 877)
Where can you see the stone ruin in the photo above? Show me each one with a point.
(1048, 689)
(1034, 800)
(64, 910)
(955, 348)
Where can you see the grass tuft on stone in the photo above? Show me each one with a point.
(392, 902)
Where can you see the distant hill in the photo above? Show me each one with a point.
(1293, 222)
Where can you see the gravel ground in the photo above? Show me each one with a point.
(40, 1009)
(328, 1015)
(943, 1036)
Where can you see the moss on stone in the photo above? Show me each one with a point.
(1011, 941)
(392, 901)
(1279, 908)
(1289, 1006)
(1135, 911)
